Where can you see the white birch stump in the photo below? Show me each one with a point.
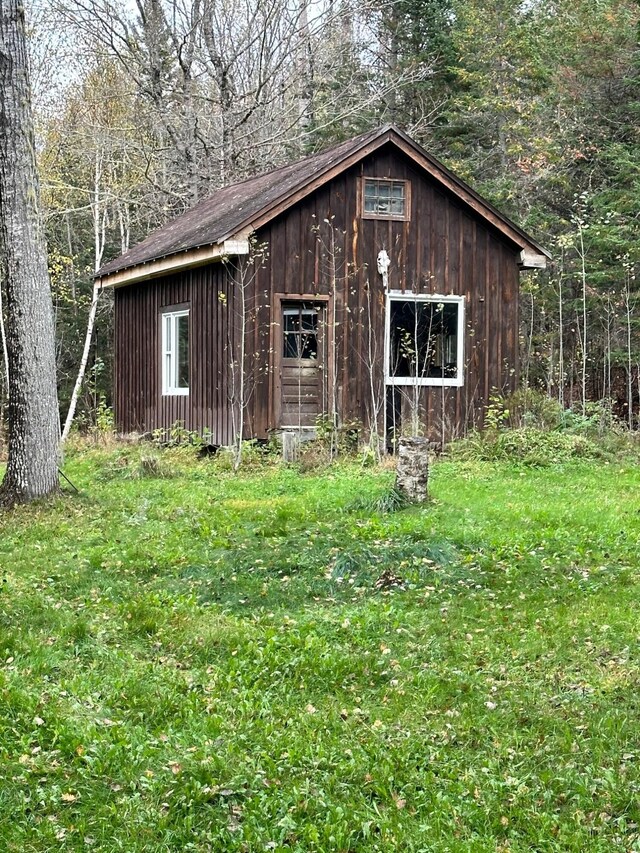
(412, 469)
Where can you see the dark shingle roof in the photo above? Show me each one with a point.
(225, 212)
(232, 209)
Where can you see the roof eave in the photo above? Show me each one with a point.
(533, 260)
(194, 257)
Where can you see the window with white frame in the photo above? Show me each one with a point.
(424, 339)
(175, 352)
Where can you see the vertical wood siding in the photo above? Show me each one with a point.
(139, 403)
(443, 249)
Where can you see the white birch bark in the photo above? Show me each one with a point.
(33, 421)
(561, 336)
(99, 234)
(628, 307)
(583, 277)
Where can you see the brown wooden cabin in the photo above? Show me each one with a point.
(373, 286)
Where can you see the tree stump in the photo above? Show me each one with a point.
(412, 469)
(290, 446)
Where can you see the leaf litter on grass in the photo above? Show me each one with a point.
(473, 700)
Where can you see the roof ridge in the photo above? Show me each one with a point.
(231, 209)
(306, 158)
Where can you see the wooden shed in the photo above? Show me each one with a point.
(364, 285)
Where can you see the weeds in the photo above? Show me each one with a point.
(391, 500)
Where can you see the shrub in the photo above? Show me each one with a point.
(530, 407)
(527, 445)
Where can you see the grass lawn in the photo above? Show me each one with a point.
(211, 662)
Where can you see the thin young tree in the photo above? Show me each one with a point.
(33, 424)
(243, 272)
(99, 212)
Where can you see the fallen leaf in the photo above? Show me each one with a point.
(400, 803)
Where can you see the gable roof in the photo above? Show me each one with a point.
(203, 232)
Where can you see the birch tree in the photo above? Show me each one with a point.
(99, 213)
(32, 468)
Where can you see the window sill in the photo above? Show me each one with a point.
(176, 392)
(390, 217)
(439, 383)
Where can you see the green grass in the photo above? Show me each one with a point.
(209, 662)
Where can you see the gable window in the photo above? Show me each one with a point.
(384, 198)
(424, 339)
(175, 352)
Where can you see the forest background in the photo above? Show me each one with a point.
(144, 107)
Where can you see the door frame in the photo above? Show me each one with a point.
(326, 302)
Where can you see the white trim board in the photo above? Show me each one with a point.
(408, 382)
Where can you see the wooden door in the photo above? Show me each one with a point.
(302, 372)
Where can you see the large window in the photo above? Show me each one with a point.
(424, 339)
(175, 352)
(384, 198)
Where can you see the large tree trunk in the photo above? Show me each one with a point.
(34, 428)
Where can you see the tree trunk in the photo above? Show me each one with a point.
(34, 428)
(99, 228)
(412, 469)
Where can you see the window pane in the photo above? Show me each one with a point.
(182, 334)
(300, 331)
(291, 320)
(309, 346)
(291, 345)
(423, 339)
(384, 197)
(309, 321)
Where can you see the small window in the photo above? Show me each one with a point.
(425, 337)
(175, 352)
(384, 198)
(300, 332)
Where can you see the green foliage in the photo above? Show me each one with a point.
(596, 421)
(530, 428)
(390, 500)
(531, 407)
(526, 407)
(526, 445)
(105, 423)
(179, 437)
(254, 456)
